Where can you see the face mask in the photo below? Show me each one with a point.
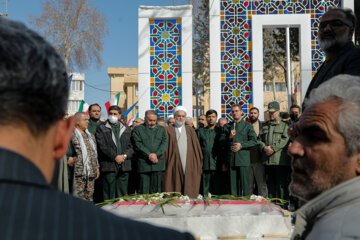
(113, 119)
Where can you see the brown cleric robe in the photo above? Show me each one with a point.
(174, 179)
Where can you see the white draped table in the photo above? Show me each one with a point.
(227, 219)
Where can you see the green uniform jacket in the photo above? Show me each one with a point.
(275, 134)
(246, 136)
(93, 125)
(211, 142)
(149, 140)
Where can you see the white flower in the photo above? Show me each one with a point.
(186, 199)
(257, 198)
(253, 197)
(200, 197)
(209, 195)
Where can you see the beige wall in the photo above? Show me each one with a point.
(125, 81)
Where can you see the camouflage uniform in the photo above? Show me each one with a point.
(277, 166)
(83, 186)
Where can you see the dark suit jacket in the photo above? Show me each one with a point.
(31, 209)
(347, 61)
(107, 150)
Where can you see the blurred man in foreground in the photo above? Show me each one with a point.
(34, 95)
(325, 152)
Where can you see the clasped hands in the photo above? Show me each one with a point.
(268, 150)
(153, 158)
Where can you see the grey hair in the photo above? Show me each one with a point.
(349, 14)
(346, 90)
(33, 80)
(188, 119)
(78, 115)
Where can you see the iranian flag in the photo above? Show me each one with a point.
(130, 122)
(84, 107)
(112, 102)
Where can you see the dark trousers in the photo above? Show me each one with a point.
(278, 180)
(133, 182)
(115, 184)
(257, 179)
(211, 182)
(98, 191)
(150, 182)
(239, 181)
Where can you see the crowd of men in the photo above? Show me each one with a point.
(110, 159)
(234, 157)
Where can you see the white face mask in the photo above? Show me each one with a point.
(113, 119)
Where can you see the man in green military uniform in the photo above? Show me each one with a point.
(273, 144)
(211, 141)
(240, 137)
(150, 143)
(95, 114)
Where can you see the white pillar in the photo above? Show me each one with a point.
(148, 14)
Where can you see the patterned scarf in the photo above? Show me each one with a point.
(84, 153)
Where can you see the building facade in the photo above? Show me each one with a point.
(76, 92)
(125, 81)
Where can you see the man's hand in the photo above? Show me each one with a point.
(235, 147)
(120, 159)
(268, 150)
(97, 173)
(232, 133)
(153, 158)
(224, 167)
(71, 161)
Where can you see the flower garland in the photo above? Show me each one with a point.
(173, 198)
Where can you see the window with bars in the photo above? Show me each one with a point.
(73, 105)
(77, 85)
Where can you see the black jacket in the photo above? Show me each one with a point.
(32, 209)
(107, 150)
(347, 61)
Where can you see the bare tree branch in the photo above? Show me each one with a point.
(75, 28)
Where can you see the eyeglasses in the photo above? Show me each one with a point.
(333, 23)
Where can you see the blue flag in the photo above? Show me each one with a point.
(129, 110)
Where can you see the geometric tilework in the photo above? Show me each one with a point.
(236, 45)
(165, 66)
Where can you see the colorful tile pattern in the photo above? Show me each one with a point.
(236, 45)
(165, 66)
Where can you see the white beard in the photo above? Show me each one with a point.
(179, 124)
(337, 41)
